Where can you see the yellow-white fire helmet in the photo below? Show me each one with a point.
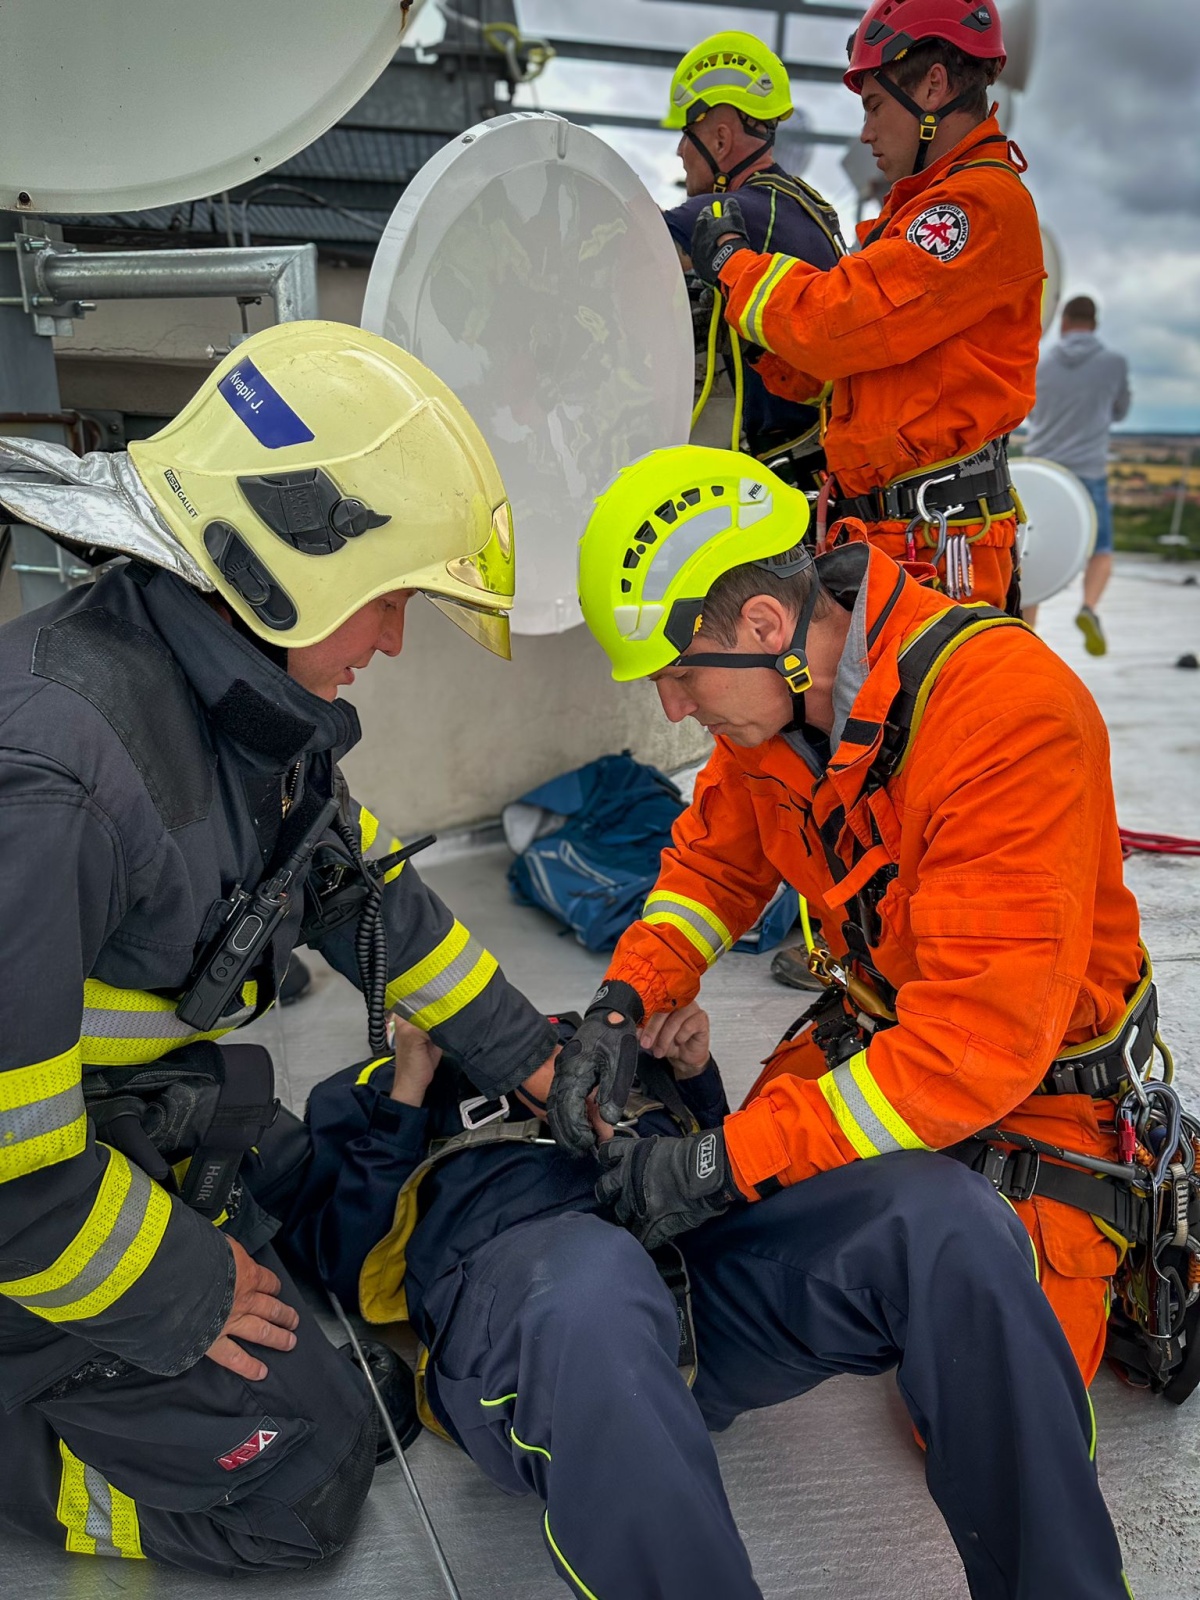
(319, 467)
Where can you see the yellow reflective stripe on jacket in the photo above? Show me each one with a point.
(448, 979)
(863, 1112)
(368, 827)
(128, 1027)
(749, 324)
(698, 924)
(394, 872)
(100, 1520)
(109, 1253)
(42, 1115)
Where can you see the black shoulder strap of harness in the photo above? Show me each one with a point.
(811, 201)
(921, 660)
(919, 665)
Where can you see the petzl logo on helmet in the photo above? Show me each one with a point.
(263, 409)
(942, 232)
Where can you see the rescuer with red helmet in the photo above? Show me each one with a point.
(925, 339)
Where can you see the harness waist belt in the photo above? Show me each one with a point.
(1101, 1070)
(1021, 1174)
(959, 486)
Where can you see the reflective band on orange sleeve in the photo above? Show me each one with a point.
(755, 1147)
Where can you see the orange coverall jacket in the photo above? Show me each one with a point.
(929, 332)
(1008, 931)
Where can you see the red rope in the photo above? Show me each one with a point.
(1157, 844)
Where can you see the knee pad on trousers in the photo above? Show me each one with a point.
(330, 1512)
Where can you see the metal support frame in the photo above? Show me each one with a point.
(60, 282)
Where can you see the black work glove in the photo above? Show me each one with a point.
(663, 1186)
(722, 217)
(602, 1056)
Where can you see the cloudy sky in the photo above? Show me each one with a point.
(1110, 124)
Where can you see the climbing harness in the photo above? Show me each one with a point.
(825, 218)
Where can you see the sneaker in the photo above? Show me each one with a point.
(790, 967)
(1088, 624)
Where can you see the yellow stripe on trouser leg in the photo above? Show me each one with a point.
(565, 1564)
(100, 1520)
(42, 1115)
(536, 1449)
(107, 1256)
(863, 1112)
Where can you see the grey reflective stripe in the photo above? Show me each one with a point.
(437, 988)
(763, 292)
(99, 1512)
(103, 1023)
(723, 78)
(859, 1108)
(679, 545)
(104, 1262)
(55, 1112)
(701, 924)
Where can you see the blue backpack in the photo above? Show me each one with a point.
(587, 847)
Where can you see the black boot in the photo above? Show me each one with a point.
(397, 1389)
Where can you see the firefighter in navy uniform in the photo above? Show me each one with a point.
(172, 823)
(728, 96)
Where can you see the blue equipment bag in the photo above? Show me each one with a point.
(587, 847)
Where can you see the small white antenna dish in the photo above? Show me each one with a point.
(1052, 288)
(1018, 19)
(1059, 531)
(127, 104)
(529, 267)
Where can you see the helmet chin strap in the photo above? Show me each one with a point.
(928, 120)
(791, 664)
(722, 179)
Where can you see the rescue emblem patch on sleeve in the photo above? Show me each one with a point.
(942, 231)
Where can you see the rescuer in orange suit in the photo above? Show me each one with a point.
(935, 781)
(929, 331)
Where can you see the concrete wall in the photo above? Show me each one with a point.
(450, 733)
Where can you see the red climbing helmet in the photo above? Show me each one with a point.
(891, 27)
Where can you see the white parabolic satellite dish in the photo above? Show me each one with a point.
(1059, 532)
(118, 105)
(527, 265)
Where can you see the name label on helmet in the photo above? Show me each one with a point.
(263, 409)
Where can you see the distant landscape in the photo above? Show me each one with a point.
(1154, 485)
(1149, 475)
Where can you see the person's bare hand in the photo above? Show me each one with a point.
(416, 1062)
(535, 1090)
(257, 1314)
(680, 1037)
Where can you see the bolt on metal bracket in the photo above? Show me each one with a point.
(60, 282)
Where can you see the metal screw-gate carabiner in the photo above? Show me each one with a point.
(939, 518)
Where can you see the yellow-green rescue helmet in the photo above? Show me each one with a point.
(729, 69)
(319, 467)
(662, 533)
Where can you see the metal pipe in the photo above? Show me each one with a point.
(389, 1427)
(286, 274)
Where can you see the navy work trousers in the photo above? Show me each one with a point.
(203, 1471)
(555, 1364)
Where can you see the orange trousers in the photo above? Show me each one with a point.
(1075, 1261)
